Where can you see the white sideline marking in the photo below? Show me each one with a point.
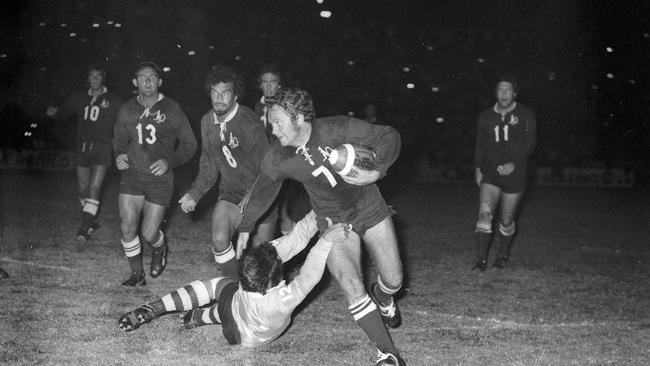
(30, 263)
(493, 323)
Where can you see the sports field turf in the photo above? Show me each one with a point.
(576, 291)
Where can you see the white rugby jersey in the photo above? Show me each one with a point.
(262, 318)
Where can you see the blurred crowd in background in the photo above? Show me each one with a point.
(428, 79)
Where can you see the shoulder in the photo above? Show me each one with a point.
(247, 114)
(522, 109)
(127, 106)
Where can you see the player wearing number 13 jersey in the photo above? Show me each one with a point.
(305, 143)
(505, 138)
(234, 143)
(146, 133)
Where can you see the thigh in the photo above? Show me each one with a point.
(489, 196)
(152, 217)
(226, 217)
(381, 243)
(344, 263)
(83, 177)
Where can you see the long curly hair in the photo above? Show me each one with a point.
(260, 269)
(294, 101)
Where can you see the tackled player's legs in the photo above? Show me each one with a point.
(488, 201)
(226, 217)
(344, 263)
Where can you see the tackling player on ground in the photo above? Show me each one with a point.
(234, 143)
(505, 138)
(96, 111)
(258, 309)
(301, 155)
(147, 129)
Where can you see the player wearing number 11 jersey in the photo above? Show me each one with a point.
(505, 138)
(234, 143)
(147, 130)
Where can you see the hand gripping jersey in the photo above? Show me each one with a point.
(262, 318)
(149, 134)
(96, 115)
(233, 149)
(505, 138)
(330, 196)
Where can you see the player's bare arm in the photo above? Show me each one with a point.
(242, 242)
(478, 176)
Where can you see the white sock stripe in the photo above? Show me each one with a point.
(185, 298)
(224, 256)
(169, 303)
(132, 248)
(482, 227)
(91, 206)
(202, 291)
(507, 230)
(362, 308)
(385, 289)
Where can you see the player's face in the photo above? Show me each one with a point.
(270, 84)
(147, 81)
(286, 132)
(95, 79)
(223, 98)
(505, 94)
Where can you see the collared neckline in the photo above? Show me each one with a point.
(104, 91)
(160, 97)
(514, 105)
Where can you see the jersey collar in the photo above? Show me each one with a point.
(229, 116)
(103, 91)
(512, 108)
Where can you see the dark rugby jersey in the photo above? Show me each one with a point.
(149, 134)
(96, 115)
(233, 149)
(505, 138)
(328, 193)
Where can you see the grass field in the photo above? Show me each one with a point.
(577, 291)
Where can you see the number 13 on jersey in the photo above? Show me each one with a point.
(148, 135)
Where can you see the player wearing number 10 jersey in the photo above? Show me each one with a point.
(305, 143)
(234, 143)
(147, 130)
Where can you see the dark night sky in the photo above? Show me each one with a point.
(557, 48)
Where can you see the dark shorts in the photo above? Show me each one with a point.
(369, 211)
(156, 190)
(269, 217)
(94, 153)
(224, 307)
(514, 183)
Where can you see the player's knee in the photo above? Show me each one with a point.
(507, 229)
(220, 242)
(150, 235)
(485, 216)
(128, 230)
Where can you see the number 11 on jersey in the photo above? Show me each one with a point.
(496, 133)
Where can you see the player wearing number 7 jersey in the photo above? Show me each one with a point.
(234, 143)
(505, 138)
(304, 145)
(147, 130)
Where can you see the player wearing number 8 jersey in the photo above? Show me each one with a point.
(304, 145)
(505, 138)
(146, 133)
(234, 143)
